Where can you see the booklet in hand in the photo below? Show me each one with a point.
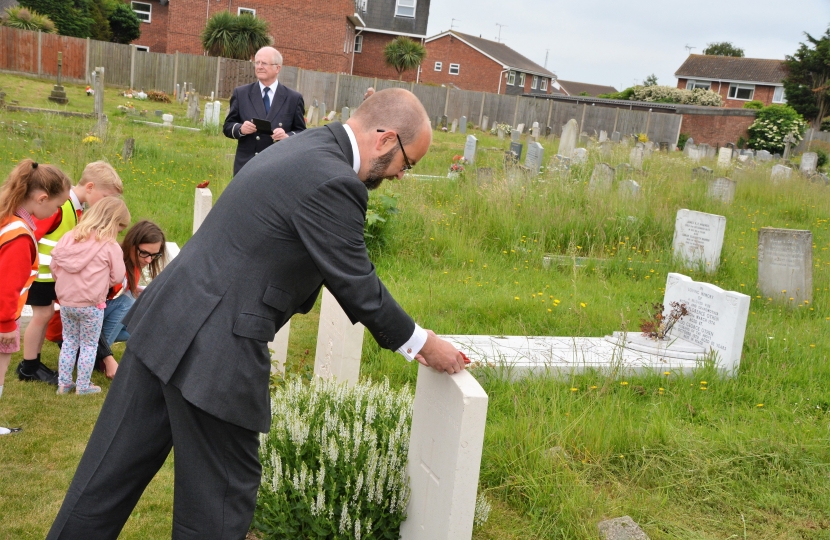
(262, 126)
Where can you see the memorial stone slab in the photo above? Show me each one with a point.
(535, 155)
(548, 131)
(445, 446)
(516, 150)
(820, 178)
(520, 128)
(470, 149)
(444, 121)
(665, 146)
(339, 343)
(127, 150)
(606, 148)
(698, 239)
(702, 173)
(722, 189)
(217, 113)
(463, 125)
(763, 156)
(501, 133)
(323, 111)
(201, 208)
(785, 264)
(207, 120)
(602, 178)
(485, 122)
(567, 143)
(515, 136)
(278, 348)
(535, 130)
(615, 137)
(780, 172)
(724, 157)
(345, 114)
(603, 135)
(629, 187)
(809, 161)
(580, 155)
(454, 125)
(636, 158)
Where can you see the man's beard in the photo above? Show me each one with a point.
(378, 169)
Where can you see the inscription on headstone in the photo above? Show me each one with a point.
(722, 189)
(470, 149)
(535, 155)
(785, 264)
(724, 157)
(698, 239)
(809, 160)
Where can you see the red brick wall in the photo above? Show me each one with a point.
(154, 33)
(476, 71)
(370, 62)
(762, 93)
(716, 129)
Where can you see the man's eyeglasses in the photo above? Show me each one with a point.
(407, 166)
(145, 254)
(258, 64)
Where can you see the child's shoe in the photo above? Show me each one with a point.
(91, 389)
(65, 388)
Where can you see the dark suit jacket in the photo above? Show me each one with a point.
(287, 111)
(291, 221)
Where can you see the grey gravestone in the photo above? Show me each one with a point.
(623, 170)
(629, 187)
(649, 147)
(444, 121)
(763, 156)
(470, 149)
(567, 143)
(664, 146)
(722, 189)
(58, 94)
(323, 111)
(809, 160)
(785, 264)
(602, 178)
(702, 173)
(788, 140)
(345, 114)
(561, 163)
(159, 113)
(724, 157)
(820, 178)
(484, 123)
(127, 151)
(454, 125)
(316, 105)
(580, 155)
(603, 135)
(501, 133)
(520, 128)
(178, 92)
(98, 86)
(698, 239)
(776, 156)
(780, 172)
(706, 151)
(636, 157)
(535, 155)
(516, 150)
(463, 125)
(615, 137)
(515, 135)
(548, 130)
(535, 130)
(623, 528)
(606, 148)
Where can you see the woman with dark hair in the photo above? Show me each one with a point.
(143, 247)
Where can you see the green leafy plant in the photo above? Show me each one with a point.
(235, 36)
(25, 19)
(681, 140)
(723, 48)
(124, 24)
(822, 157)
(71, 17)
(807, 84)
(403, 53)
(334, 462)
(382, 206)
(772, 124)
(754, 104)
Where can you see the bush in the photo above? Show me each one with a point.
(158, 95)
(681, 140)
(670, 94)
(26, 19)
(381, 208)
(772, 124)
(754, 104)
(235, 36)
(624, 94)
(825, 124)
(334, 462)
(822, 157)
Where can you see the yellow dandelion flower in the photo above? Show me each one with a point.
(583, 304)
(593, 387)
(667, 373)
(515, 298)
(760, 405)
(574, 389)
(624, 383)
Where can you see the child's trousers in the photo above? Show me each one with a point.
(81, 329)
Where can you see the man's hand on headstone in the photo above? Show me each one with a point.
(440, 355)
(279, 134)
(247, 128)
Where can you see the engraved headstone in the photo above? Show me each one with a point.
(809, 161)
(763, 156)
(580, 155)
(567, 143)
(345, 114)
(470, 149)
(201, 207)
(722, 189)
(698, 239)
(445, 446)
(535, 155)
(629, 187)
(516, 150)
(724, 157)
(636, 158)
(463, 125)
(780, 172)
(454, 125)
(702, 173)
(339, 343)
(603, 135)
(485, 122)
(602, 177)
(785, 264)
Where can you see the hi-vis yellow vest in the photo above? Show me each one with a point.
(44, 246)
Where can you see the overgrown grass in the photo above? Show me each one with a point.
(692, 460)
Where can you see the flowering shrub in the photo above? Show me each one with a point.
(772, 124)
(642, 137)
(334, 462)
(507, 128)
(670, 94)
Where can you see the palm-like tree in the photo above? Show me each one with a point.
(403, 54)
(232, 36)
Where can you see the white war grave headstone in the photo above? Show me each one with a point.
(698, 239)
(448, 420)
(535, 155)
(724, 157)
(520, 128)
(785, 264)
(463, 125)
(570, 133)
(485, 123)
(279, 348)
(780, 172)
(339, 343)
(201, 207)
(535, 130)
(454, 125)
(809, 161)
(470, 149)
(603, 135)
(722, 189)
(345, 113)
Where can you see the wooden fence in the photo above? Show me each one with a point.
(126, 66)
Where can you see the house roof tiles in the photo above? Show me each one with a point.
(501, 53)
(576, 88)
(730, 68)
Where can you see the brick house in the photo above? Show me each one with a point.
(311, 35)
(573, 88)
(737, 80)
(473, 63)
(383, 21)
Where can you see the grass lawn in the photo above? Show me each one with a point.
(747, 457)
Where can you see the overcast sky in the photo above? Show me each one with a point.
(616, 42)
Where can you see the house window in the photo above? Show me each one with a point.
(143, 11)
(454, 69)
(778, 96)
(544, 87)
(522, 80)
(405, 8)
(741, 91)
(358, 43)
(142, 48)
(248, 11)
(439, 66)
(511, 78)
(534, 84)
(691, 84)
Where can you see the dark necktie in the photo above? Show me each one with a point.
(265, 100)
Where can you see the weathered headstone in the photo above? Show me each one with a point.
(785, 264)
(548, 131)
(636, 158)
(217, 115)
(345, 114)
(623, 528)
(702, 173)
(445, 447)
(603, 135)
(606, 148)
(602, 178)
(501, 133)
(516, 150)
(127, 150)
(515, 136)
(615, 137)
(178, 91)
(208, 118)
(470, 149)
(698, 239)
(331, 116)
(463, 125)
(724, 157)
(98, 97)
(763, 156)
(202, 206)
(665, 146)
(485, 122)
(323, 111)
(520, 128)
(535, 155)
(167, 120)
(315, 115)
(339, 343)
(780, 172)
(444, 120)
(789, 140)
(722, 189)
(193, 110)
(809, 161)
(454, 127)
(629, 187)
(580, 155)
(567, 143)
(535, 131)
(58, 94)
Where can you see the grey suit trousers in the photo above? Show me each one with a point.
(217, 470)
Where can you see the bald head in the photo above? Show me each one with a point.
(393, 109)
(269, 54)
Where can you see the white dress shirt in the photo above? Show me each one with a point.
(271, 92)
(419, 337)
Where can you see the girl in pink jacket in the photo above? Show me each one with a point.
(86, 262)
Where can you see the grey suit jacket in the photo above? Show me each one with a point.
(291, 221)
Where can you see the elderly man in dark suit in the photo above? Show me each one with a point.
(195, 372)
(265, 99)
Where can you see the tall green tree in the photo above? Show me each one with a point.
(233, 36)
(71, 17)
(808, 83)
(125, 24)
(723, 48)
(404, 54)
(651, 80)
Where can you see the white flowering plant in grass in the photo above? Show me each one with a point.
(506, 128)
(334, 464)
(772, 125)
(671, 94)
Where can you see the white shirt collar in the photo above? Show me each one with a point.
(355, 149)
(273, 88)
(75, 202)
